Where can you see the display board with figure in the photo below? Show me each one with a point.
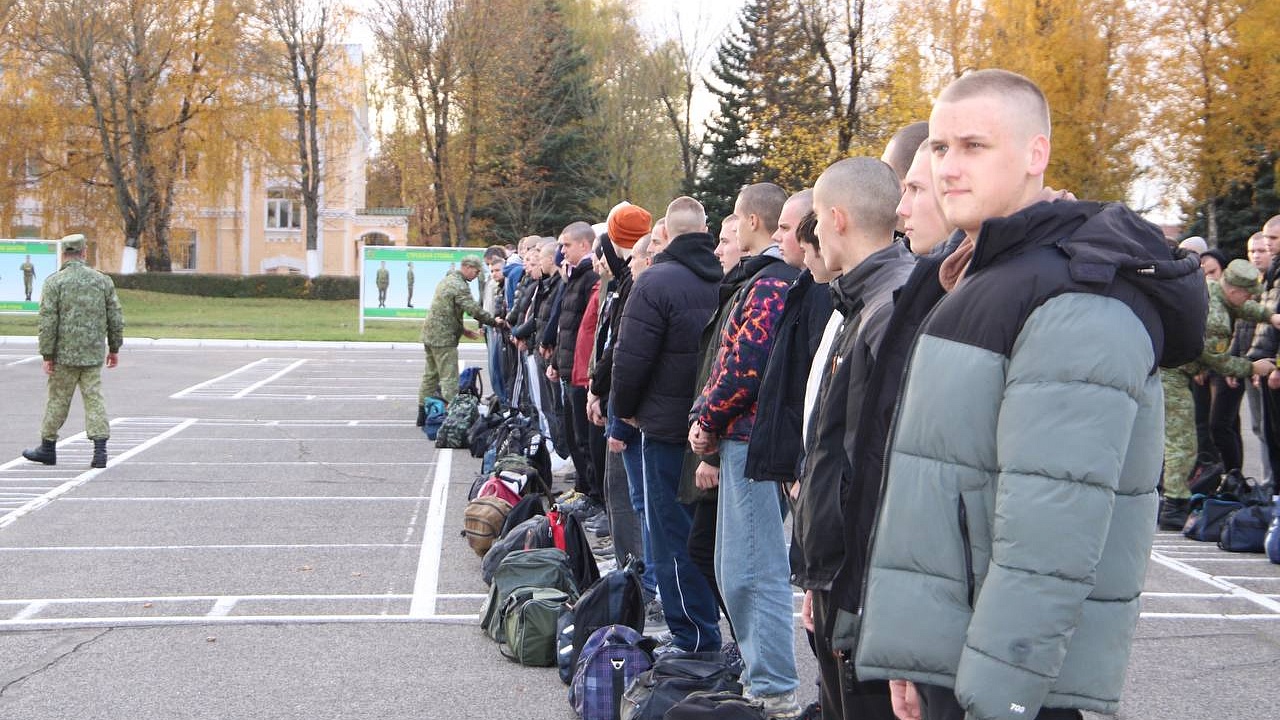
(392, 277)
(24, 265)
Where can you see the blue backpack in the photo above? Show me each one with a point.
(469, 382)
(613, 656)
(435, 409)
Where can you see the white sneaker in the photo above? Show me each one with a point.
(782, 706)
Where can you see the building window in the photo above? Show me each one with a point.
(284, 211)
(182, 248)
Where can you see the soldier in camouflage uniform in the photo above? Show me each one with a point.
(442, 329)
(79, 314)
(1228, 301)
(28, 276)
(383, 281)
(408, 279)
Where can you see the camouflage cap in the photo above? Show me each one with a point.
(73, 243)
(473, 262)
(1242, 274)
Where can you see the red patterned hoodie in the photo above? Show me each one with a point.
(727, 405)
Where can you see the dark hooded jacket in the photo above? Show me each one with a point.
(775, 449)
(655, 358)
(1020, 485)
(611, 304)
(864, 296)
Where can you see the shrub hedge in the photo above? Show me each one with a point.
(325, 287)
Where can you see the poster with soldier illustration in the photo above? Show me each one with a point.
(397, 283)
(24, 265)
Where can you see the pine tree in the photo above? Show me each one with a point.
(1242, 209)
(546, 172)
(772, 124)
(732, 161)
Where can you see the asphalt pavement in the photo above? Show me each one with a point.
(273, 538)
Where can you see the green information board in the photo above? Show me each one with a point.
(24, 265)
(411, 275)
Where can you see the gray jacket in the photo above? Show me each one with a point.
(1019, 500)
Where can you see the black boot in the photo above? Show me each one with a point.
(1173, 513)
(99, 454)
(422, 416)
(47, 453)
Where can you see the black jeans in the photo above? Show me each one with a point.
(578, 435)
(939, 703)
(702, 546)
(1224, 420)
(844, 696)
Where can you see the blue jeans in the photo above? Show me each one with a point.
(754, 573)
(633, 461)
(687, 600)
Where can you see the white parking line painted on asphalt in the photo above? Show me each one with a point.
(23, 361)
(260, 383)
(1228, 587)
(220, 378)
(424, 583)
(259, 498)
(175, 426)
(157, 548)
(223, 607)
(238, 598)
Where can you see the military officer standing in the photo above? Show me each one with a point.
(442, 329)
(79, 314)
(28, 276)
(408, 279)
(382, 280)
(1228, 301)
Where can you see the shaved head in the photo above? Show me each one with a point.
(901, 149)
(1020, 96)
(685, 215)
(865, 188)
(764, 200)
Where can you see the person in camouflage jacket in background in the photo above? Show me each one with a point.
(443, 328)
(1228, 301)
(81, 326)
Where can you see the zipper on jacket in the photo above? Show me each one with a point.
(963, 515)
(888, 446)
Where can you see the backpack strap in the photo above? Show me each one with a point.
(618, 664)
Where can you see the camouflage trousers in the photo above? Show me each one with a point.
(440, 378)
(1180, 445)
(62, 387)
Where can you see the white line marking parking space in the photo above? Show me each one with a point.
(428, 575)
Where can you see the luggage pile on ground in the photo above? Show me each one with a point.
(1236, 512)
(549, 605)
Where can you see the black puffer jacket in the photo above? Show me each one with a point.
(655, 357)
(538, 312)
(573, 305)
(775, 449)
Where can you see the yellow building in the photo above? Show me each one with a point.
(256, 225)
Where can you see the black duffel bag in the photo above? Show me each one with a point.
(673, 677)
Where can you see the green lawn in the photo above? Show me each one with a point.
(160, 315)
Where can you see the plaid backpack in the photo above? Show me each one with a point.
(613, 656)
